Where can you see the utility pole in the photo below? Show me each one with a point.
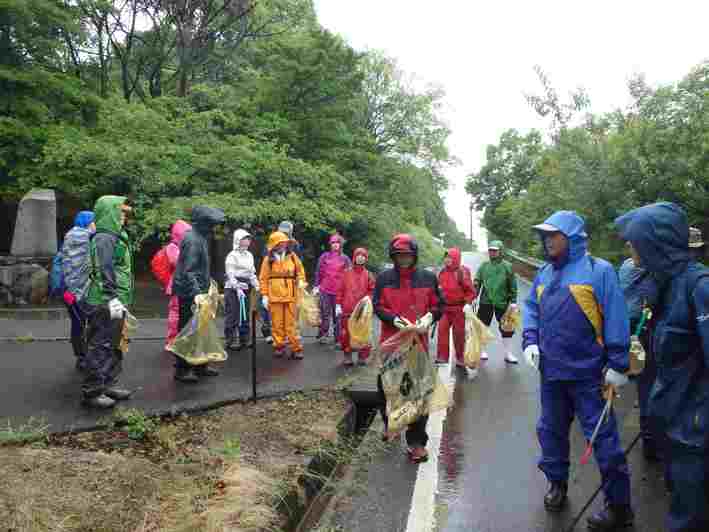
(471, 223)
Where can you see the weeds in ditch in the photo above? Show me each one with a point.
(137, 424)
(31, 431)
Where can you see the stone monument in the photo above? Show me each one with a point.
(22, 280)
(36, 225)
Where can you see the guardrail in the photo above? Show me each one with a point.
(529, 261)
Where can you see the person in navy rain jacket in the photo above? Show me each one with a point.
(576, 333)
(679, 399)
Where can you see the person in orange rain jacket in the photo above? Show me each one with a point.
(458, 291)
(357, 284)
(282, 274)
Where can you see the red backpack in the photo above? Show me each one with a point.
(160, 266)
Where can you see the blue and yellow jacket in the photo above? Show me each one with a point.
(575, 311)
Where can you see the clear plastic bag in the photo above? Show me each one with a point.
(477, 336)
(410, 381)
(308, 309)
(360, 324)
(511, 319)
(198, 342)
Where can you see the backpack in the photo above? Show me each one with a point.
(57, 286)
(160, 266)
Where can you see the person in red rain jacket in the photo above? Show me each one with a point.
(357, 284)
(404, 295)
(458, 290)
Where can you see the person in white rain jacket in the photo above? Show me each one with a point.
(240, 279)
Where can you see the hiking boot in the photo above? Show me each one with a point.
(206, 371)
(99, 401)
(245, 342)
(612, 517)
(186, 375)
(322, 339)
(555, 498)
(118, 394)
(297, 355)
(511, 359)
(231, 344)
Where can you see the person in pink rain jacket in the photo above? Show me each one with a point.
(172, 250)
(328, 278)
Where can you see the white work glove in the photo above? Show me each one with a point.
(316, 290)
(468, 310)
(264, 301)
(424, 323)
(531, 353)
(403, 324)
(615, 378)
(338, 310)
(116, 309)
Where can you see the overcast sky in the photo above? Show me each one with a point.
(483, 54)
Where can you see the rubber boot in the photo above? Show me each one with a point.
(186, 375)
(509, 357)
(206, 370)
(612, 517)
(555, 498)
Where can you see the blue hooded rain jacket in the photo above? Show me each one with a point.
(680, 395)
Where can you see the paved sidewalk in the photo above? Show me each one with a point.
(38, 379)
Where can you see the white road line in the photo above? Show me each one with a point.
(423, 501)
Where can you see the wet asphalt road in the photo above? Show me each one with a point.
(488, 478)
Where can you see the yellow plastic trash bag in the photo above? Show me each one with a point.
(511, 319)
(308, 309)
(199, 342)
(410, 381)
(130, 324)
(477, 336)
(360, 324)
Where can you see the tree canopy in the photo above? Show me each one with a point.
(248, 106)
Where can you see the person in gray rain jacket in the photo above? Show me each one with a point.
(192, 277)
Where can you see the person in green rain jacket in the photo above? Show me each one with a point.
(109, 293)
(497, 285)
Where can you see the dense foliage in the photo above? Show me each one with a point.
(249, 106)
(657, 149)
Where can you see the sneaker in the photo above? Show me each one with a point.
(269, 339)
(440, 362)
(322, 339)
(206, 371)
(298, 355)
(118, 394)
(612, 517)
(484, 356)
(186, 375)
(348, 359)
(232, 344)
(472, 373)
(555, 498)
(279, 352)
(99, 401)
(511, 359)
(418, 455)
